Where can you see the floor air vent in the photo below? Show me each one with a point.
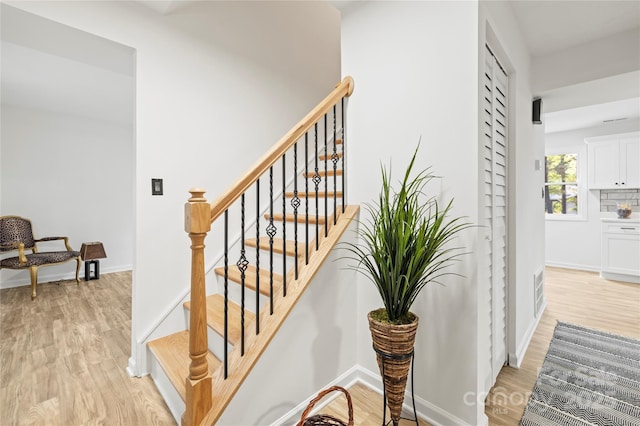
(538, 290)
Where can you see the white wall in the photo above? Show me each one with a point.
(614, 55)
(415, 66)
(72, 176)
(315, 345)
(576, 243)
(67, 140)
(216, 84)
(429, 88)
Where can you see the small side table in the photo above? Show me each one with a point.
(91, 253)
(87, 270)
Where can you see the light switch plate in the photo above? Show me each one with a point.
(156, 186)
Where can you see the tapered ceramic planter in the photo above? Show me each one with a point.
(394, 348)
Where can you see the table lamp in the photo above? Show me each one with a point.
(90, 253)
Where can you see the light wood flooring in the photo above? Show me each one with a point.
(577, 297)
(367, 408)
(63, 356)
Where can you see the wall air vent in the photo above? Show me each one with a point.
(538, 291)
(614, 119)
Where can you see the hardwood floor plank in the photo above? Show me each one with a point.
(367, 408)
(578, 297)
(63, 357)
(44, 413)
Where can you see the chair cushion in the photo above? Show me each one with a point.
(38, 259)
(18, 229)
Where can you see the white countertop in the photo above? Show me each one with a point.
(633, 219)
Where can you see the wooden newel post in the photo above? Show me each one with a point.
(197, 214)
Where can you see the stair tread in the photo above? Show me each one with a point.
(250, 278)
(312, 194)
(278, 217)
(322, 173)
(172, 352)
(240, 365)
(215, 317)
(329, 157)
(278, 245)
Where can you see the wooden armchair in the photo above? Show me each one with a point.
(16, 234)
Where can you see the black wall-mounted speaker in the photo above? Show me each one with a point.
(537, 111)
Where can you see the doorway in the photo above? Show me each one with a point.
(67, 154)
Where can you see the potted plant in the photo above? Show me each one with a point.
(405, 245)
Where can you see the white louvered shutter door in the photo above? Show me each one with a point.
(495, 203)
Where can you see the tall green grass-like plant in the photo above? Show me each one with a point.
(406, 242)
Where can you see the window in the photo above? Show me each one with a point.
(562, 195)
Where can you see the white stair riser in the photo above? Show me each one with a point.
(235, 294)
(169, 393)
(250, 255)
(290, 229)
(215, 342)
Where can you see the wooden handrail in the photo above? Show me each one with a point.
(344, 88)
(199, 215)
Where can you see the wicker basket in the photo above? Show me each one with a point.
(325, 419)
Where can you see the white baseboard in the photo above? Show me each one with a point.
(634, 279)
(22, 279)
(515, 360)
(425, 410)
(345, 380)
(358, 374)
(578, 267)
(132, 368)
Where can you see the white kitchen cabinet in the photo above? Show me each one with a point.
(614, 161)
(621, 250)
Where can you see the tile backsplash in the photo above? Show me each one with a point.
(609, 198)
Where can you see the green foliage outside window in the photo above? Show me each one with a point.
(561, 184)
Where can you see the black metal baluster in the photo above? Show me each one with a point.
(326, 178)
(316, 178)
(271, 231)
(284, 228)
(344, 173)
(242, 265)
(295, 203)
(257, 256)
(226, 292)
(306, 197)
(334, 160)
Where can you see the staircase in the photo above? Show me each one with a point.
(277, 225)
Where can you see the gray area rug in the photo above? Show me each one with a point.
(588, 378)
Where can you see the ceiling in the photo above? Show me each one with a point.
(86, 75)
(165, 7)
(91, 92)
(547, 27)
(592, 115)
(552, 26)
